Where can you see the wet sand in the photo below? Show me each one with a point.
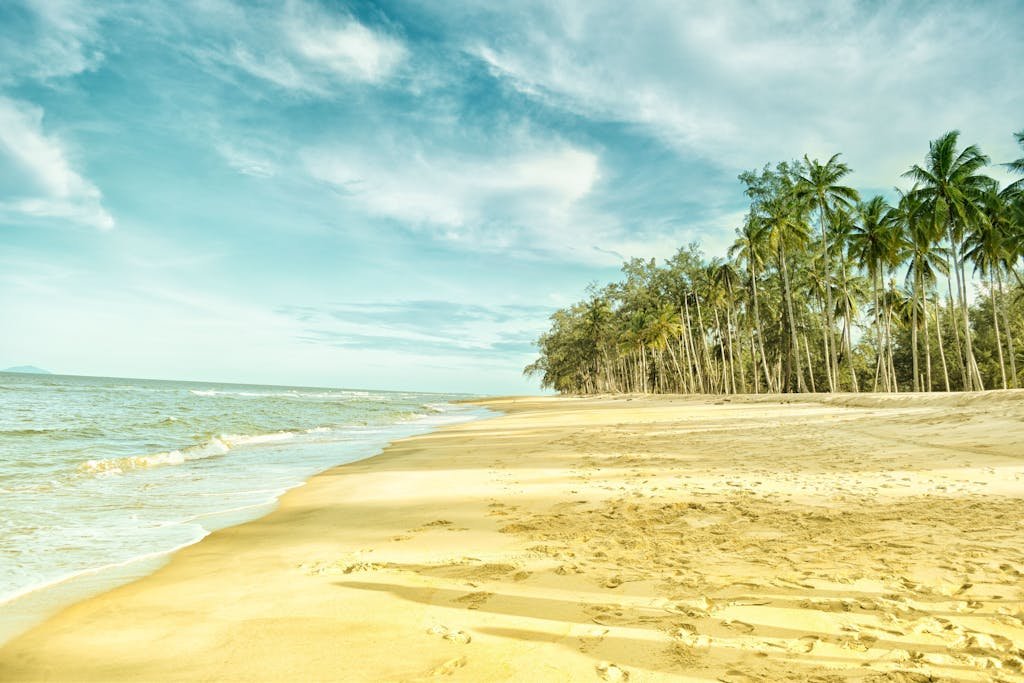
(865, 538)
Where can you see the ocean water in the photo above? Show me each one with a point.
(102, 478)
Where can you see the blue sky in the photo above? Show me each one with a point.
(397, 194)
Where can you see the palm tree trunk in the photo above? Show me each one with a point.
(794, 345)
(973, 374)
(753, 362)
(704, 344)
(693, 347)
(956, 333)
(827, 350)
(854, 384)
(942, 351)
(913, 330)
(927, 345)
(760, 330)
(643, 372)
(684, 351)
(831, 358)
(890, 367)
(732, 356)
(807, 349)
(995, 324)
(721, 352)
(1009, 332)
(679, 370)
(879, 348)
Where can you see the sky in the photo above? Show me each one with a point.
(397, 194)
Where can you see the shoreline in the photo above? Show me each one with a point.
(33, 604)
(538, 544)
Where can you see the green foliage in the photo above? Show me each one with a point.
(820, 291)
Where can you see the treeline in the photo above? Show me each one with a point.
(821, 291)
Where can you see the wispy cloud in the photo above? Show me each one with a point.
(49, 39)
(427, 327)
(741, 84)
(247, 161)
(525, 200)
(47, 184)
(299, 46)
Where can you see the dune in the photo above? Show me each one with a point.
(849, 537)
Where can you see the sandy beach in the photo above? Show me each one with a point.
(852, 537)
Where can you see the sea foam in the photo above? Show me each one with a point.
(209, 449)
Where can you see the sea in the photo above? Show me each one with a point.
(102, 478)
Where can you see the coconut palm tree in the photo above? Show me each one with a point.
(819, 186)
(919, 248)
(751, 249)
(987, 247)
(727, 282)
(873, 243)
(1017, 167)
(950, 185)
(787, 231)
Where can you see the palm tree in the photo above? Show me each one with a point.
(847, 289)
(1017, 167)
(873, 243)
(750, 248)
(726, 279)
(895, 307)
(786, 231)
(597, 319)
(950, 187)
(662, 328)
(987, 248)
(819, 186)
(688, 325)
(919, 248)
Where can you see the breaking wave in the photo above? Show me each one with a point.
(209, 449)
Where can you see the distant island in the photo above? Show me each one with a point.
(28, 369)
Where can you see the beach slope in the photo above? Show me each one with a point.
(861, 537)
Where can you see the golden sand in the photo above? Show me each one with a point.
(863, 538)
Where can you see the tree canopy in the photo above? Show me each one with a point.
(822, 290)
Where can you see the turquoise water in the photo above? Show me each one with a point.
(101, 474)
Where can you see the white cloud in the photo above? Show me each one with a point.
(246, 161)
(48, 184)
(299, 46)
(54, 39)
(530, 198)
(742, 84)
(344, 46)
(530, 201)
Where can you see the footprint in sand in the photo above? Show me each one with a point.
(804, 644)
(737, 625)
(474, 600)
(593, 638)
(457, 636)
(435, 523)
(687, 635)
(448, 668)
(611, 672)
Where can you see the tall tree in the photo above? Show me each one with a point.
(987, 248)
(818, 184)
(950, 185)
(1017, 166)
(919, 247)
(750, 249)
(873, 242)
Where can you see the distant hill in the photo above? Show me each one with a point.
(28, 369)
